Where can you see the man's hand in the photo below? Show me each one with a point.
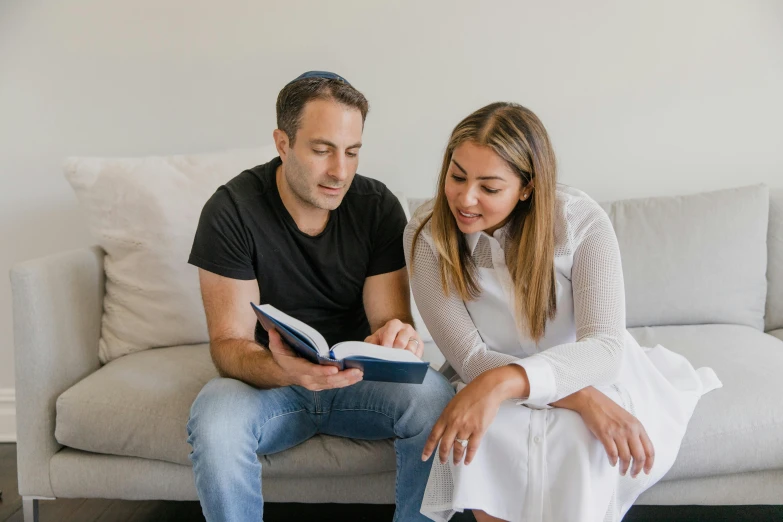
(387, 295)
(314, 377)
(396, 334)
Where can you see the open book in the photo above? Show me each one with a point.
(378, 363)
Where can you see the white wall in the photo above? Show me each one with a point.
(640, 98)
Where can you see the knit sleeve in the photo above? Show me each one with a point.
(447, 318)
(599, 312)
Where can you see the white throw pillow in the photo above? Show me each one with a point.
(143, 213)
(694, 259)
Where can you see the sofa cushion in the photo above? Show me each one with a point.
(694, 259)
(736, 428)
(143, 212)
(774, 315)
(79, 474)
(138, 406)
(421, 328)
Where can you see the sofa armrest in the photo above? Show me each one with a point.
(57, 309)
(773, 318)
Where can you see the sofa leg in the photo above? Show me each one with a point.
(30, 509)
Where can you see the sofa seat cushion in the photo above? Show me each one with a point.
(736, 428)
(138, 406)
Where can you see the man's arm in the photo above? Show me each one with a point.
(387, 297)
(231, 323)
(388, 308)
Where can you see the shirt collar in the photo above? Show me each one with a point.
(472, 239)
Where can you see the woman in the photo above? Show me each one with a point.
(520, 283)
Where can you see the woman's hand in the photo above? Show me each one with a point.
(622, 435)
(471, 411)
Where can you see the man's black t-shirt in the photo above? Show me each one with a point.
(245, 232)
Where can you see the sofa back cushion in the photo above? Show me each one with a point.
(143, 212)
(694, 259)
(774, 315)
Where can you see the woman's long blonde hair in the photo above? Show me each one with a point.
(516, 135)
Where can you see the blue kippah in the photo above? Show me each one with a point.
(319, 74)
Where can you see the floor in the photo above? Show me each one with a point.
(104, 510)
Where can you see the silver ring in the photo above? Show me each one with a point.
(462, 442)
(414, 341)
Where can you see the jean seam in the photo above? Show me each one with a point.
(397, 454)
(261, 426)
(364, 409)
(397, 483)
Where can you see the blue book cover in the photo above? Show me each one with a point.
(378, 363)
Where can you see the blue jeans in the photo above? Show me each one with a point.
(231, 422)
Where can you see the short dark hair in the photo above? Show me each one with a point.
(294, 96)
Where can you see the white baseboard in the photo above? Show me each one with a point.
(7, 415)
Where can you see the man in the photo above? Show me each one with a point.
(308, 235)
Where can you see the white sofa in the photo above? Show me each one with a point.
(704, 277)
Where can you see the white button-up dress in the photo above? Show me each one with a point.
(538, 463)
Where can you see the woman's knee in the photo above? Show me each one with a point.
(575, 439)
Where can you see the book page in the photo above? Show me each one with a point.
(349, 348)
(310, 333)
